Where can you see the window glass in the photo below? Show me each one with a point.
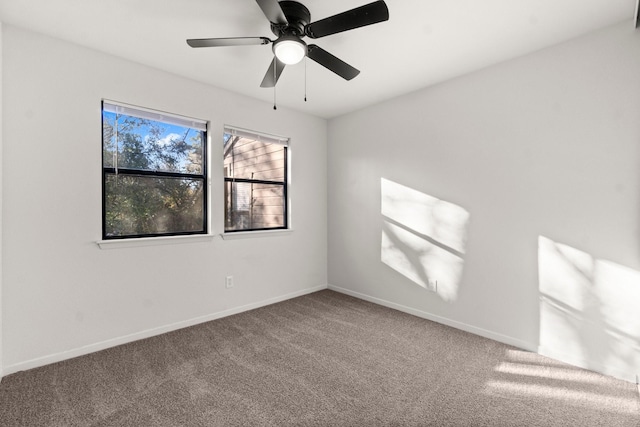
(154, 177)
(255, 174)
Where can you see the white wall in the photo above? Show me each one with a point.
(1, 173)
(63, 296)
(517, 189)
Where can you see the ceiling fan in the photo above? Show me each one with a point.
(290, 22)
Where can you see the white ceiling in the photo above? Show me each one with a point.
(423, 43)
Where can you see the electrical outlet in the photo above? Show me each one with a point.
(228, 282)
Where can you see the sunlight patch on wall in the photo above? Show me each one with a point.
(588, 310)
(423, 238)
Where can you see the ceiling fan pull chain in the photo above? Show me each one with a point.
(274, 98)
(305, 79)
(275, 70)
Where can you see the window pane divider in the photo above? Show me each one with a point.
(142, 172)
(254, 181)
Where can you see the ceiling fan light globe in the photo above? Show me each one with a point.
(290, 51)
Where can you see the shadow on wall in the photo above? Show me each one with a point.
(589, 312)
(423, 238)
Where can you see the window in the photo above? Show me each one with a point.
(153, 173)
(255, 175)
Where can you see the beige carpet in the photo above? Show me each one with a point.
(324, 359)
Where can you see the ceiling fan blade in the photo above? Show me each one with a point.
(273, 11)
(368, 14)
(232, 41)
(273, 73)
(332, 63)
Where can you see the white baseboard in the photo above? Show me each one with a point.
(442, 320)
(103, 345)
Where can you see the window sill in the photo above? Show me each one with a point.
(251, 234)
(153, 241)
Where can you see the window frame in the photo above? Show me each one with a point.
(272, 139)
(203, 176)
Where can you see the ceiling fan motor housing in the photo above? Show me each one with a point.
(298, 17)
